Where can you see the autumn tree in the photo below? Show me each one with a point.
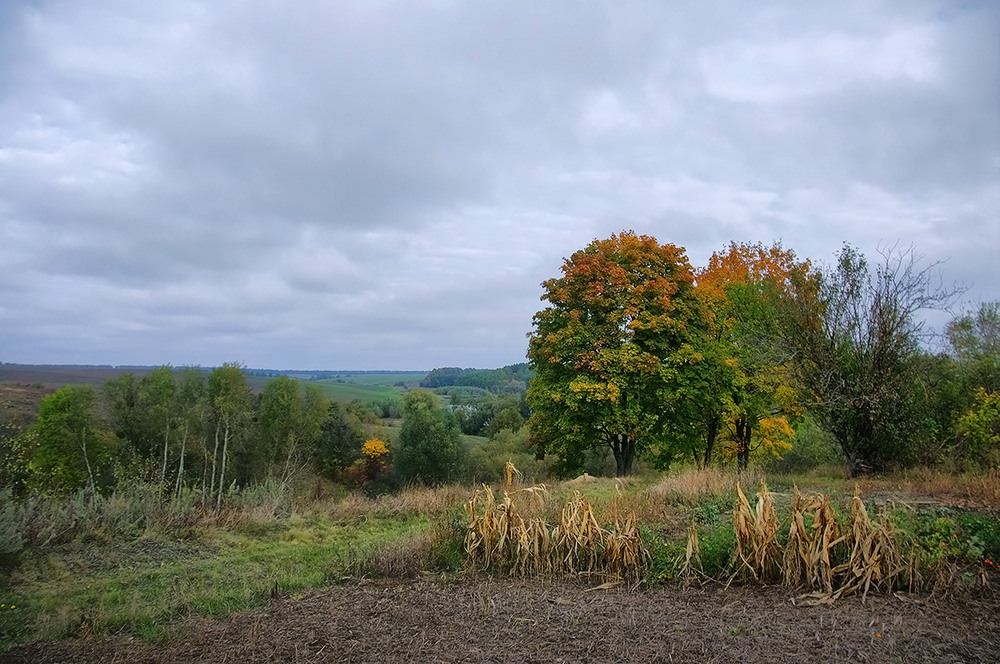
(754, 392)
(606, 348)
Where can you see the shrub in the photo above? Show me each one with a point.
(486, 462)
(430, 448)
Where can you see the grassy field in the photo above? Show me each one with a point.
(354, 392)
(402, 379)
(369, 386)
(108, 577)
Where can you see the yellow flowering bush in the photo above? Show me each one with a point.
(374, 448)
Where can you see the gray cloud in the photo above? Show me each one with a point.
(385, 185)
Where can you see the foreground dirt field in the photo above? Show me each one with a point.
(516, 621)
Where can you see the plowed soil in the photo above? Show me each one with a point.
(488, 620)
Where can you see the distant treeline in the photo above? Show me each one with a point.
(511, 379)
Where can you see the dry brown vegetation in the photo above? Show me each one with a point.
(509, 536)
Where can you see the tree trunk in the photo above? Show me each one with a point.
(215, 457)
(180, 466)
(744, 430)
(711, 433)
(86, 460)
(856, 465)
(222, 469)
(623, 447)
(163, 468)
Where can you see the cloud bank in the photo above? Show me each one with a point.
(385, 185)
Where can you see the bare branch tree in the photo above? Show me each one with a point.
(855, 348)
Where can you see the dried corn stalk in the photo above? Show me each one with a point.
(500, 537)
(810, 551)
(625, 556)
(578, 537)
(511, 474)
(757, 550)
(874, 559)
(691, 567)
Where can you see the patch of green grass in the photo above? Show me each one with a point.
(357, 392)
(72, 590)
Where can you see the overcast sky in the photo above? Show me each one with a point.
(384, 185)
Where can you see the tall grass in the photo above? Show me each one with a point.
(695, 486)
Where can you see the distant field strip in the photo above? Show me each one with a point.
(356, 392)
(408, 378)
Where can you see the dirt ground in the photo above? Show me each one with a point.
(490, 620)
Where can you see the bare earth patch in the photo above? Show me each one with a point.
(489, 620)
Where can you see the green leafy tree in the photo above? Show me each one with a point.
(508, 419)
(979, 427)
(158, 392)
(289, 421)
(17, 438)
(193, 417)
(339, 442)
(142, 412)
(975, 341)
(127, 415)
(607, 349)
(430, 449)
(232, 407)
(74, 450)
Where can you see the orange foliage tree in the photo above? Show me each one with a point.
(737, 292)
(605, 348)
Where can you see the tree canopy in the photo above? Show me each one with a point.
(607, 346)
(738, 292)
(430, 445)
(857, 351)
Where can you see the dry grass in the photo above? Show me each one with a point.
(409, 502)
(980, 488)
(985, 488)
(405, 558)
(695, 486)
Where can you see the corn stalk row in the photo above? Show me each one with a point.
(500, 538)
